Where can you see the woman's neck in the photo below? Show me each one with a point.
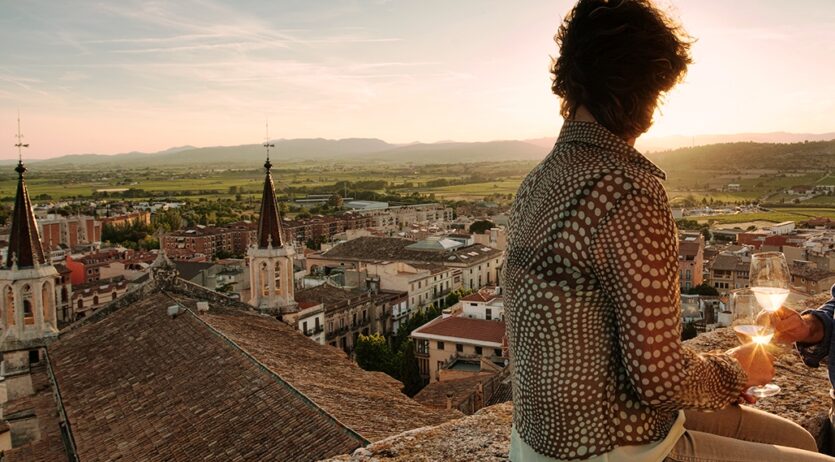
(584, 115)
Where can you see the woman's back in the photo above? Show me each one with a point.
(591, 296)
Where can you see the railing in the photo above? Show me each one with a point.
(310, 332)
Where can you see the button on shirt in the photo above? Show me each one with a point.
(592, 304)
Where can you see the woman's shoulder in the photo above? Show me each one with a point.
(596, 169)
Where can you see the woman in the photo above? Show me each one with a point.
(591, 277)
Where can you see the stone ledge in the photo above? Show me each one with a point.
(485, 436)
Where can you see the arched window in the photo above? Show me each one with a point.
(264, 280)
(10, 306)
(27, 309)
(47, 299)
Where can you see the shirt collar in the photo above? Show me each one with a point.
(597, 135)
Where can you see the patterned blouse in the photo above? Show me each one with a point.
(592, 304)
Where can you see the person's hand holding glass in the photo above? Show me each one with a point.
(754, 333)
(769, 283)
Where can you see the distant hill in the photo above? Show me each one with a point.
(796, 155)
(819, 155)
(665, 143)
(348, 150)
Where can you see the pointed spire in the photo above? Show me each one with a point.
(270, 234)
(25, 249)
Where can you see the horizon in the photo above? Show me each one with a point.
(657, 141)
(101, 79)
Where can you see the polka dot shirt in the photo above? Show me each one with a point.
(592, 304)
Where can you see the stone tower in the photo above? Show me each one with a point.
(270, 257)
(27, 280)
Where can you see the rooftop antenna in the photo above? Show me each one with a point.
(267, 146)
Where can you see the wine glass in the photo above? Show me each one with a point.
(749, 327)
(769, 281)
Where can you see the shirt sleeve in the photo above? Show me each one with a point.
(635, 257)
(813, 354)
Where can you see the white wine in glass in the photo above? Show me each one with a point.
(769, 279)
(769, 282)
(745, 322)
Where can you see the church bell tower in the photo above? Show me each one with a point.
(270, 257)
(27, 279)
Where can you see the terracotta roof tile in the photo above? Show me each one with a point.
(372, 407)
(49, 447)
(139, 382)
(465, 328)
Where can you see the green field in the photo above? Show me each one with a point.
(776, 216)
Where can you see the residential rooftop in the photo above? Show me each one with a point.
(373, 248)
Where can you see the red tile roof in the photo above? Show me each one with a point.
(465, 328)
(50, 446)
(372, 407)
(140, 382)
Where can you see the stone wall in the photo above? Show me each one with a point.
(485, 436)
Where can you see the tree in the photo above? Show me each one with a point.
(372, 353)
(409, 370)
(688, 331)
(481, 226)
(703, 289)
(335, 201)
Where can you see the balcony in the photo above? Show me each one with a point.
(312, 332)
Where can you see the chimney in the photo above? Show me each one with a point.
(173, 311)
(449, 400)
(202, 307)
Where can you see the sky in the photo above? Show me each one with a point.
(110, 77)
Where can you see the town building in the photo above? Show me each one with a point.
(69, 232)
(321, 229)
(456, 343)
(728, 272)
(399, 218)
(347, 313)
(691, 249)
(209, 242)
(810, 280)
(424, 284)
(479, 265)
(88, 297)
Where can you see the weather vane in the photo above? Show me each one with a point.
(267, 143)
(20, 144)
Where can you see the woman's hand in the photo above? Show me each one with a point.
(790, 327)
(756, 361)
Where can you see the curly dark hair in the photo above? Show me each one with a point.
(616, 58)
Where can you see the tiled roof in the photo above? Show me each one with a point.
(334, 298)
(464, 328)
(360, 400)
(138, 382)
(49, 447)
(688, 249)
(373, 248)
(484, 294)
(435, 394)
(188, 270)
(725, 262)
